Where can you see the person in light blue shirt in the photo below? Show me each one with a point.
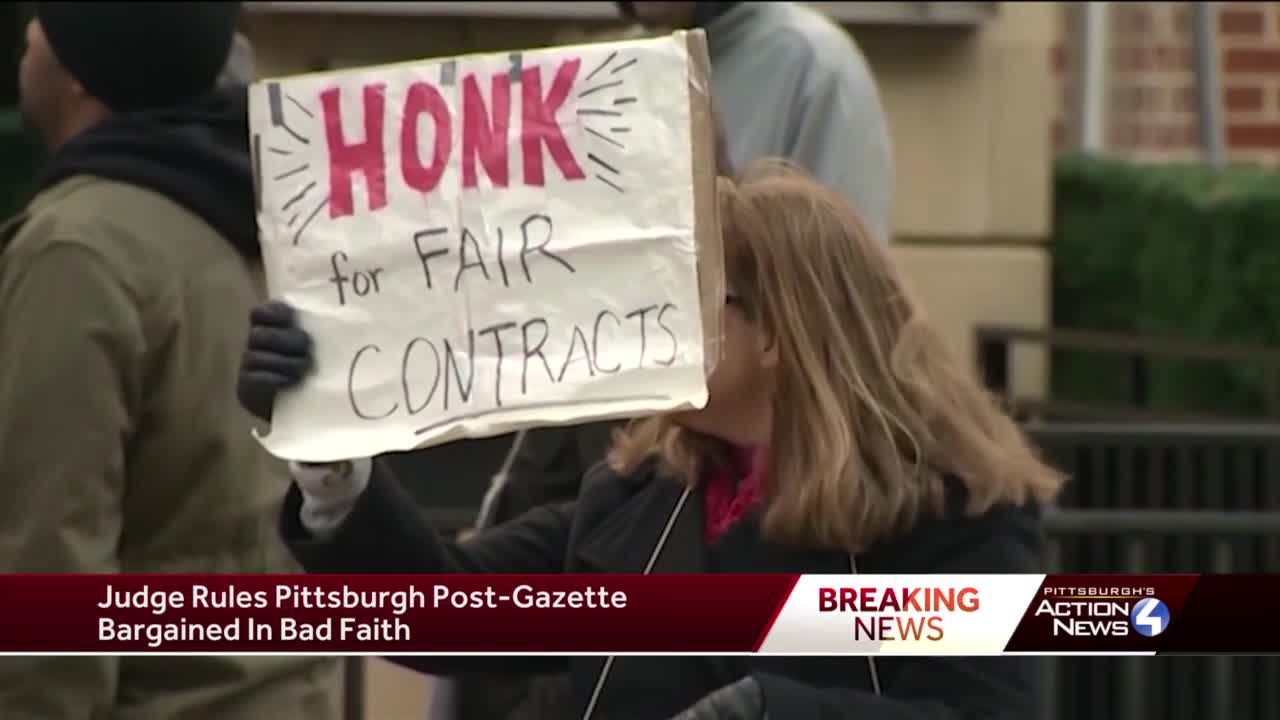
(788, 82)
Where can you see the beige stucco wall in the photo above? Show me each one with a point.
(971, 115)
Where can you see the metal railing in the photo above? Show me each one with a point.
(1164, 498)
(995, 346)
(1143, 497)
(1169, 688)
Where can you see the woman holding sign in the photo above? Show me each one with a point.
(840, 436)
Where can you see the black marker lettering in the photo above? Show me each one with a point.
(573, 345)
(450, 359)
(365, 283)
(404, 374)
(338, 278)
(362, 282)
(526, 248)
(537, 350)
(675, 343)
(424, 256)
(643, 336)
(463, 263)
(351, 386)
(496, 330)
(595, 342)
(502, 263)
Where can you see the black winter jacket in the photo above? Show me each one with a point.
(614, 526)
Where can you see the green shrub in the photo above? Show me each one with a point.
(1166, 250)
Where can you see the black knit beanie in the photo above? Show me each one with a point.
(141, 55)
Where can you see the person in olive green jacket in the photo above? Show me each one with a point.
(125, 288)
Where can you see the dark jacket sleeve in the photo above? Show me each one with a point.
(386, 533)
(1005, 540)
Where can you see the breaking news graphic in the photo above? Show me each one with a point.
(626, 614)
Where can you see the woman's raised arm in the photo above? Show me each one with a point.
(355, 517)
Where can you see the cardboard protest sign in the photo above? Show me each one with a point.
(491, 242)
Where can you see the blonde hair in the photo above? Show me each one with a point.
(871, 412)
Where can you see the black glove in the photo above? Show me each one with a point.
(277, 357)
(742, 700)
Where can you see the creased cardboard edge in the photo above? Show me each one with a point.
(706, 205)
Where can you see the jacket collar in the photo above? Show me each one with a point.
(625, 539)
(742, 549)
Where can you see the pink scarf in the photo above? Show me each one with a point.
(732, 491)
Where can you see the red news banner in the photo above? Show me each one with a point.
(619, 614)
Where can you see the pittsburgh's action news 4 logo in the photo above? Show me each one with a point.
(1149, 617)
(1104, 612)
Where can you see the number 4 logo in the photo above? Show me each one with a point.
(1149, 617)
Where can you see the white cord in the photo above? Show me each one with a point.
(653, 560)
(488, 506)
(871, 660)
(648, 568)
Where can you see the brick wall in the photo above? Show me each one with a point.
(1152, 101)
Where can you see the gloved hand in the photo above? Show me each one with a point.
(329, 491)
(741, 700)
(277, 357)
